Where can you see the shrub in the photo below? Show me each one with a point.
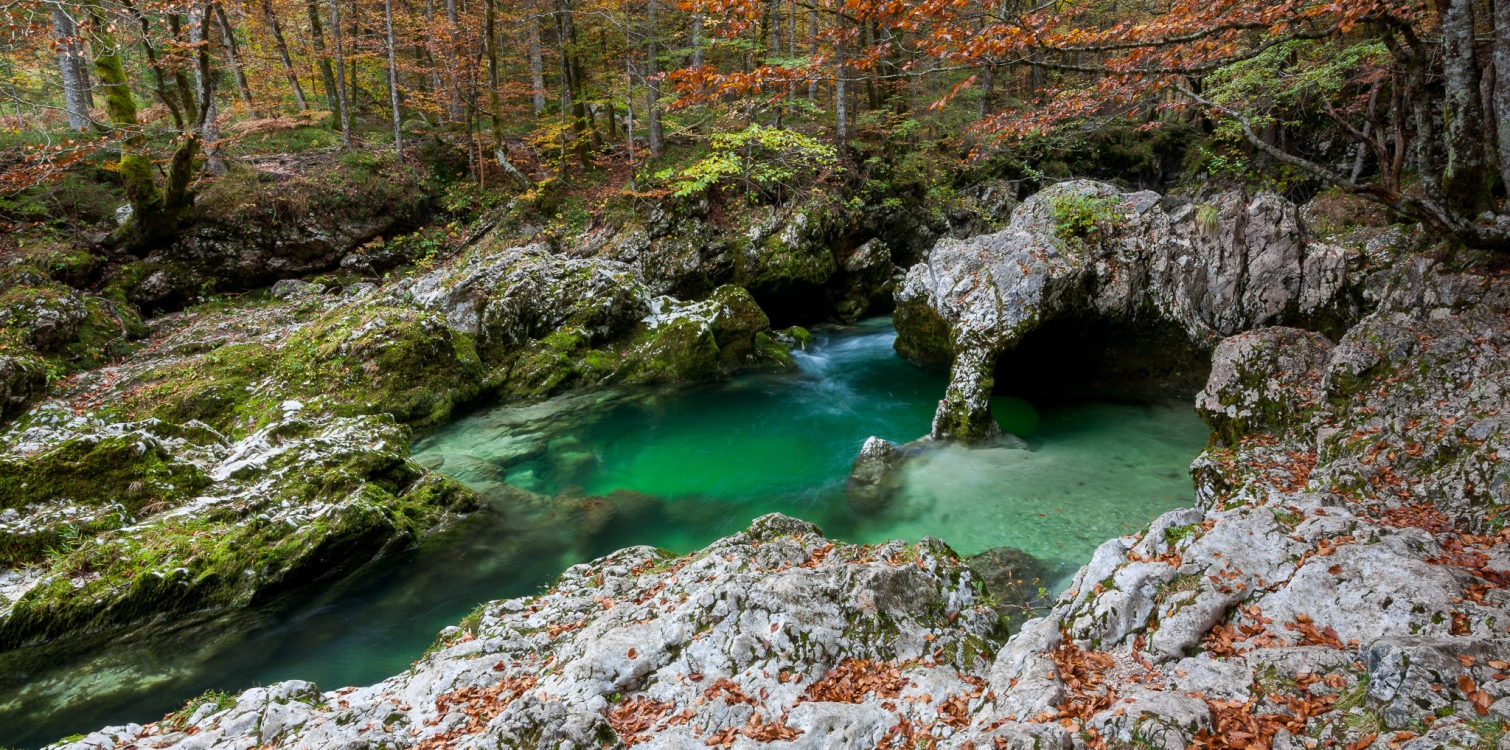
(1086, 217)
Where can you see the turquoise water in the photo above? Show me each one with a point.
(573, 478)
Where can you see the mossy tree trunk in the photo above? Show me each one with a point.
(155, 211)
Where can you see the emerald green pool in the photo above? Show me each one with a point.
(576, 477)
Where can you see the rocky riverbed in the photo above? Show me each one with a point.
(1343, 582)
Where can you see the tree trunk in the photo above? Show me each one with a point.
(791, 33)
(697, 40)
(988, 91)
(398, 127)
(458, 108)
(572, 103)
(1465, 179)
(154, 213)
(841, 89)
(135, 165)
(1502, 85)
(812, 52)
(327, 72)
(775, 11)
(71, 67)
(228, 42)
(490, 43)
(652, 84)
(199, 22)
(537, 67)
(340, 66)
(283, 57)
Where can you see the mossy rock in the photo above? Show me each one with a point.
(152, 285)
(922, 334)
(375, 501)
(799, 255)
(133, 470)
(375, 360)
(683, 350)
(23, 378)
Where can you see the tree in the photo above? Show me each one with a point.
(1089, 63)
(71, 67)
(155, 212)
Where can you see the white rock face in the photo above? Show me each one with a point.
(1235, 264)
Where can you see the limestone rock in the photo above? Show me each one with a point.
(864, 282)
(756, 631)
(872, 479)
(1082, 250)
(1263, 380)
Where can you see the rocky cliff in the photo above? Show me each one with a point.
(1342, 584)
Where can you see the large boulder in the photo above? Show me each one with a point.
(1084, 253)
(1268, 379)
(272, 219)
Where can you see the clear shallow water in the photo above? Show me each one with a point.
(577, 477)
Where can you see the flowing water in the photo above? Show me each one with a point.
(576, 477)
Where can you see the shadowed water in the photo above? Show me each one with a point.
(576, 477)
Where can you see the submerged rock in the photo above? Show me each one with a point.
(1083, 253)
(872, 479)
(1017, 582)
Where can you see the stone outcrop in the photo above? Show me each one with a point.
(48, 329)
(804, 262)
(1342, 584)
(271, 220)
(1083, 251)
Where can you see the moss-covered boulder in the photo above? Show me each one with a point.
(22, 379)
(132, 470)
(49, 330)
(296, 501)
(510, 296)
(789, 256)
(865, 282)
(268, 220)
(1268, 380)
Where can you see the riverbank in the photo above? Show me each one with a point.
(1326, 591)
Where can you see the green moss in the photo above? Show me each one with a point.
(800, 337)
(356, 361)
(180, 719)
(921, 333)
(131, 470)
(680, 351)
(23, 378)
(800, 255)
(235, 556)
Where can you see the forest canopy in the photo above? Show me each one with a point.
(1400, 102)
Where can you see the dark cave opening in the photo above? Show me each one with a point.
(1081, 357)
